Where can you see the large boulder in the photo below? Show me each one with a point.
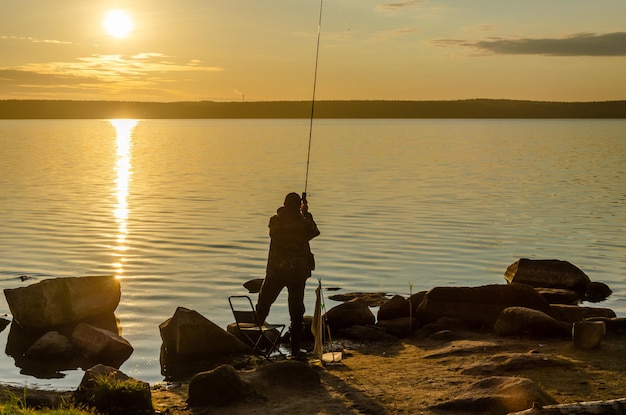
(478, 306)
(351, 313)
(62, 301)
(526, 321)
(551, 273)
(101, 346)
(396, 307)
(188, 334)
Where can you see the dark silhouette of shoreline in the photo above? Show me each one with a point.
(471, 108)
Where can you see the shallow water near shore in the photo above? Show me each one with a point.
(178, 209)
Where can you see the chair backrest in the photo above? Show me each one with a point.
(243, 310)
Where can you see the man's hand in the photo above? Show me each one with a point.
(304, 208)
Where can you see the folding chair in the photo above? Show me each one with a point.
(261, 336)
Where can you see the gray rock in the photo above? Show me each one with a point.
(587, 335)
(396, 307)
(51, 345)
(62, 301)
(559, 295)
(573, 313)
(253, 286)
(551, 273)
(597, 291)
(101, 346)
(188, 334)
(525, 321)
(113, 392)
(351, 313)
(477, 306)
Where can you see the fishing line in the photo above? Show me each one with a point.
(317, 54)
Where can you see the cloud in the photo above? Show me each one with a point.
(580, 44)
(21, 77)
(35, 40)
(103, 68)
(400, 4)
(101, 75)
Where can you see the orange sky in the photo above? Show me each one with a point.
(557, 50)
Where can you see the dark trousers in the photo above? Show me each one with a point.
(272, 286)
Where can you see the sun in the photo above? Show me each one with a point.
(117, 23)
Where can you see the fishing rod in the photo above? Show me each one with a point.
(317, 54)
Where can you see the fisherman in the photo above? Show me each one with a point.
(289, 263)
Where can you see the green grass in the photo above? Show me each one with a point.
(15, 406)
(110, 393)
(20, 410)
(107, 393)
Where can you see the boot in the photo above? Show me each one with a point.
(296, 333)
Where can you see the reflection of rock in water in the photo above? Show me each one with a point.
(20, 340)
(179, 368)
(45, 354)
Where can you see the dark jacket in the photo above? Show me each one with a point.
(290, 252)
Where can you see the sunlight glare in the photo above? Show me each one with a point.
(117, 23)
(123, 129)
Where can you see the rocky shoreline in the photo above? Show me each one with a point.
(457, 371)
(494, 349)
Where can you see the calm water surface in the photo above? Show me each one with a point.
(178, 209)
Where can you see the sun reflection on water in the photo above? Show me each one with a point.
(123, 129)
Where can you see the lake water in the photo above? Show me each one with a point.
(178, 209)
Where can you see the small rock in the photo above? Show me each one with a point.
(587, 335)
(219, 386)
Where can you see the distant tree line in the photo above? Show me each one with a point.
(471, 108)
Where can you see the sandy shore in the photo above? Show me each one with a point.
(410, 376)
(413, 375)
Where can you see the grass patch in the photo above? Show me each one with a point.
(14, 405)
(108, 394)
